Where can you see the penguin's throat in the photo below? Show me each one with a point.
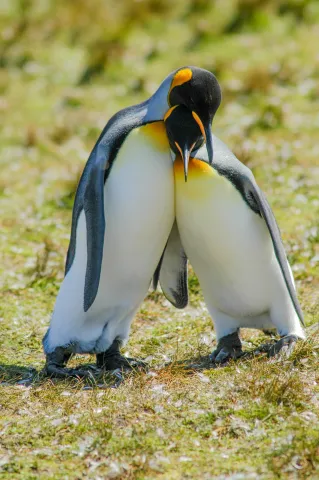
(196, 168)
(156, 133)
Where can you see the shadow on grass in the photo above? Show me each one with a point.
(17, 375)
(203, 362)
(303, 349)
(11, 375)
(29, 376)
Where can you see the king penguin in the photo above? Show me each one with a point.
(123, 233)
(228, 230)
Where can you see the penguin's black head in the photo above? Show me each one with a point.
(198, 90)
(184, 133)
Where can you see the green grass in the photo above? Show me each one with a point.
(65, 68)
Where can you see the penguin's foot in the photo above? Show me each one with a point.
(63, 372)
(56, 361)
(284, 346)
(229, 347)
(112, 359)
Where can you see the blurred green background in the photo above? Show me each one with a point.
(66, 65)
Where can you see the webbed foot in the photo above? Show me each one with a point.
(229, 347)
(56, 361)
(112, 359)
(63, 372)
(284, 346)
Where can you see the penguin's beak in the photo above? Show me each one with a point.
(207, 134)
(185, 154)
(209, 143)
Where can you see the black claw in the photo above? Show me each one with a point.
(284, 346)
(63, 372)
(229, 347)
(56, 361)
(112, 359)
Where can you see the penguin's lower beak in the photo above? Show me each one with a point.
(185, 154)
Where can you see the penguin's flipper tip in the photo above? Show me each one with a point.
(157, 272)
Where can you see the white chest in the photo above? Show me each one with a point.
(226, 242)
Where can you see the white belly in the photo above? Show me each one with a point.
(139, 214)
(226, 242)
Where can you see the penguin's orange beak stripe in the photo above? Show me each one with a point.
(200, 124)
(182, 76)
(179, 148)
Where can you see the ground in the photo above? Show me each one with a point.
(65, 68)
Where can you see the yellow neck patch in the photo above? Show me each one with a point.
(180, 77)
(201, 180)
(156, 132)
(195, 168)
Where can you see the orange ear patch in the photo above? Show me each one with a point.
(157, 133)
(181, 77)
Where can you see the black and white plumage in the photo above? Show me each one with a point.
(232, 240)
(122, 226)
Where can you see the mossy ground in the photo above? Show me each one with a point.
(66, 67)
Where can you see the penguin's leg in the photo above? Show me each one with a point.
(56, 361)
(228, 347)
(116, 334)
(284, 346)
(289, 329)
(227, 334)
(112, 358)
(285, 319)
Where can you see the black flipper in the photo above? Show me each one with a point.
(90, 194)
(157, 273)
(227, 165)
(171, 271)
(95, 227)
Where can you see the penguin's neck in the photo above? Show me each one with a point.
(200, 178)
(156, 133)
